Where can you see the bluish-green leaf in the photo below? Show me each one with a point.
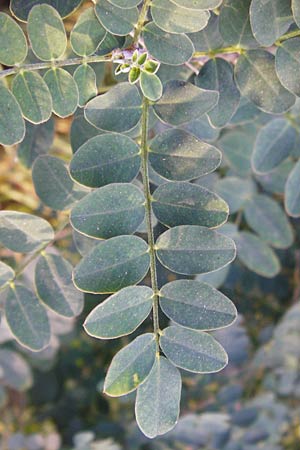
(192, 350)
(21, 8)
(256, 255)
(27, 318)
(182, 102)
(158, 399)
(110, 211)
(234, 23)
(235, 191)
(85, 79)
(116, 20)
(38, 140)
(270, 19)
(125, 4)
(120, 314)
(118, 110)
(46, 32)
(197, 4)
(188, 204)
(58, 193)
(33, 96)
(209, 38)
(217, 75)
(196, 305)
(173, 18)
(104, 159)
(15, 371)
(292, 192)
(274, 182)
(12, 125)
(202, 129)
(265, 216)
(296, 11)
(130, 366)
(87, 33)
(151, 86)
(53, 281)
(191, 249)
(237, 145)
(113, 264)
(83, 244)
(64, 91)
(287, 60)
(274, 142)
(257, 80)
(22, 232)
(6, 274)
(178, 155)
(13, 48)
(173, 49)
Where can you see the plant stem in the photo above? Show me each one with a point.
(141, 21)
(56, 63)
(148, 208)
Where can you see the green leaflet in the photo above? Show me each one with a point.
(85, 79)
(158, 399)
(120, 314)
(46, 32)
(181, 102)
(116, 20)
(235, 191)
(113, 264)
(274, 142)
(110, 211)
(21, 8)
(33, 96)
(234, 23)
(257, 80)
(105, 159)
(118, 110)
(172, 18)
(20, 379)
(256, 255)
(125, 4)
(13, 49)
(188, 204)
(191, 249)
(288, 56)
(12, 125)
(22, 232)
(81, 130)
(292, 192)
(37, 141)
(197, 4)
(27, 318)
(151, 86)
(53, 280)
(296, 11)
(178, 155)
(270, 19)
(217, 75)
(58, 193)
(6, 274)
(130, 366)
(209, 38)
(267, 218)
(63, 90)
(192, 350)
(196, 305)
(87, 33)
(173, 49)
(237, 146)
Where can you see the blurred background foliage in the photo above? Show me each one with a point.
(53, 399)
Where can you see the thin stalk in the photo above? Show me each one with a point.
(55, 63)
(148, 208)
(141, 21)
